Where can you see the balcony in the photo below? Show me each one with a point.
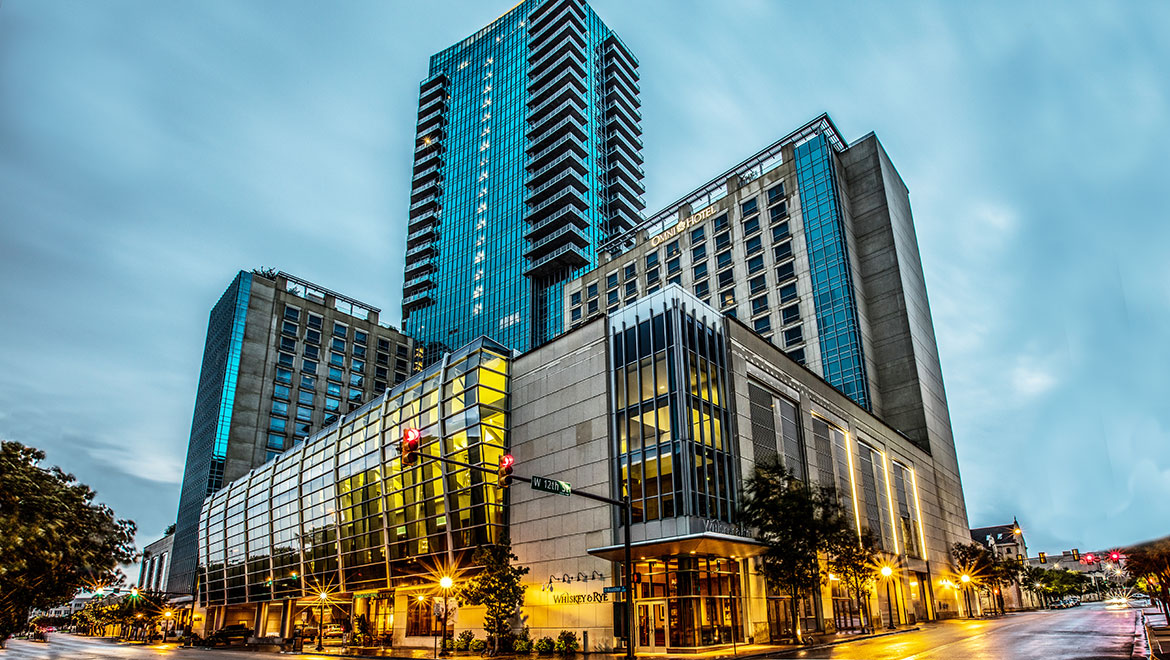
(424, 205)
(424, 251)
(566, 257)
(631, 188)
(430, 122)
(562, 178)
(542, 12)
(417, 301)
(624, 152)
(551, 223)
(619, 168)
(426, 234)
(428, 190)
(561, 105)
(417, 222)
(614, 48)
(570, 31)
(536, 64)
(569, 61)
(540, 94)
(417, 267)
(434, 103)
(426, 160)
(620, 139)
(620, 122)
(566, 161)
(621, 222)
(431, 90)
(624, 110)
(621, 82)
(539, 133)
(418, 285)
(565, 235)
(550, 19)
(616, 204)
(566, 143)
(565, 198)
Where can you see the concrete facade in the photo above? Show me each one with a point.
(154, 574)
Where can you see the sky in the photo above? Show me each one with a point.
(150, 150)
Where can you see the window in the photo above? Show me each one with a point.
(630, 271)
(702, 289)
(382, 358)
(337, 359)
(700, 271)
(677, 279)
(304, 413)
(756, 264)
(759, 305)
(591, 307)
(316, 321)
(335, 374)
(383, 344)
(575, 299)
(292, 313)
(699, 253)
(652, 276)
(786, 271)
(289, 328)
(751, 226)
(790, 314)
(778, 212)
(313, 352)
(757, 284)
(279, 408)
(380, 372)
(727, 298)
(787, 293)
(302, 429)
(722, 260)
(313, 336)
(284, 376)
(355, 395)
(793, 336)
(723, 241)
(379, 386)
(308, 382)
(592, 291)
(339, 345)
(782, 251)
(671, 249)
(673, 266)
(727, 278)
(340, 330)
(281, 392)
(749, 207)
(357, 365)
(576, 313)
(332, 405)
(780, 232)
(762, 325)
(308, 366)
(698, 235)
(797, 355)
(333, 389)
(359, 351)
(776, 193)
(652, 260)
(359, 336)
(288, 344)
(401, 351)
(753, 245)
(611, 298)
(305, 398)
(285, 360)
(276, 441)
(720, 223)
(356, 380)
(611, 281)
(277, 424)
(632, 288)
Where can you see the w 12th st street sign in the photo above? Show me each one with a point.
(551, 486)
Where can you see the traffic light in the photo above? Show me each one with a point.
(134, 592)
(409, 448)
(1021, 558)
(1043, 558)
(1115, 556)
(637, 578)
(1089, 558)
(1076, 555)
(505, 473)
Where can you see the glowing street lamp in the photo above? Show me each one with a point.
(445, 583)
(321, 598)
(965, 579)
(886, 573)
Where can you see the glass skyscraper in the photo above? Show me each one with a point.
(527, 156)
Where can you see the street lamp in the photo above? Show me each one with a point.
(964, 578)
(446, 583)
(321, 598)
(886, 573)
(166, 629)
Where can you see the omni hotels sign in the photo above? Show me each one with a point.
(682, 225)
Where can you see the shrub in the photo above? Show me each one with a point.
(450, 644)
(522, 646)
(544, 646)
(477, 645)
(463, 641)
(566, 642)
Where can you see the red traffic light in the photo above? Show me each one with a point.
(505, 472)
(409, 447)
(1115, 556)
(1090, 558)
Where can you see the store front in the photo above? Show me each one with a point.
(688, 602)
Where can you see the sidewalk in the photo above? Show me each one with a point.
(1157, 631)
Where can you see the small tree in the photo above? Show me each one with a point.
(853, 561)
(1151, 564)
(795, 522)
(497, 587)
(975, 561)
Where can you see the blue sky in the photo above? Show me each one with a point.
(150, 150)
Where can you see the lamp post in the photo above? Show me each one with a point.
(321, 598)
(965, 579)
(167, 628)
(445, 582)
(886, 573)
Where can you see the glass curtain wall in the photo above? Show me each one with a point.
(339, 513)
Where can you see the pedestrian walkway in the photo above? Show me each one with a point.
(1157, 631)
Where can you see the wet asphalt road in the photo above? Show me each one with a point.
(1088, 632)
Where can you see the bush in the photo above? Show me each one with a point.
(522, 646)
(464, 640)
(544, 646)
(477, 645)
(450, 644)
(566, 642)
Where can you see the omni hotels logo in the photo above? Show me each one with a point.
(683, 225)
(578, 599)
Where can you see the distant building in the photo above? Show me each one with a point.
(1007, 542)
(284, 358)
(68, 609)
(528, 155)
(154, 575)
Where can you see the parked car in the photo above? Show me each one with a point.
(228, 634)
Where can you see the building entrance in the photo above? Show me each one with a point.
(652, 630)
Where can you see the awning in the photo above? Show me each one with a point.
(705, 543)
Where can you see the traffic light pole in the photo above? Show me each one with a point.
(622, 504)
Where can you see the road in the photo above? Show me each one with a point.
(1085, 632)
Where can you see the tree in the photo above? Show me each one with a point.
(1150, 563)
(53, 539)
(976, 562)
(497, 587)
(795, 522)
(1032, 579)
(853, 561)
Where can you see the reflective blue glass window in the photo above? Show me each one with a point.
(283, 376)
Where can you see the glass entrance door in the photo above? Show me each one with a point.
(652, 632)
